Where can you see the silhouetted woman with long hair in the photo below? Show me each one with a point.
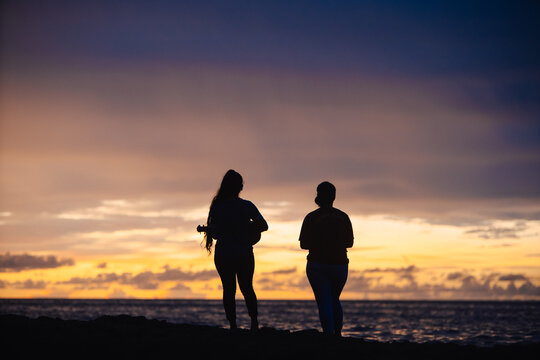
(236, 224)
(327, 233)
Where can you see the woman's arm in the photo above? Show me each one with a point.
(258, 221)
(260, 224)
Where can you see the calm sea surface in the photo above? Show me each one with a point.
(481, 323)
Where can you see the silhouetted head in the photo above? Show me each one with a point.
(231, 185)
(326, 194)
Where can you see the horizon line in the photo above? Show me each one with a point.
(268, 300)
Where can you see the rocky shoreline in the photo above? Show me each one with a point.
(126, 337)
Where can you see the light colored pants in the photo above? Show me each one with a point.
(327, 282)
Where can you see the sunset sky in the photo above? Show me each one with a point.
(119, 119)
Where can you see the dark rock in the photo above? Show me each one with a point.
(126, 337)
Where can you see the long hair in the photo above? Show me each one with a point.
(230, 187)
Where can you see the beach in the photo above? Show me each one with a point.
(138, 337)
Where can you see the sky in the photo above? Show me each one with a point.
(119, 119)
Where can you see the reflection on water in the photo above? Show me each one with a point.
(480, 323)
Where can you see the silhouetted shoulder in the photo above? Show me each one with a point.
(312, 214)
(246, 202)
(318, 212)
(340, 213)
(252, 210)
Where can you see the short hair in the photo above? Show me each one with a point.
(326, 193)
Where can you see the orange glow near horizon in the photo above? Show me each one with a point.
(392, 259)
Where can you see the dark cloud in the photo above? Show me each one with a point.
(452, 37)
(494, 232)
(183, 291)
(180, 287)
(401, 270)
(290, 283)
(404, 283)
(486, 286)
(285, 271)
(146, 280)
(99, 279)
(29, 284)
(177, 274)
(455, 276)
(513, 277)
(404, 273)
(9, 262)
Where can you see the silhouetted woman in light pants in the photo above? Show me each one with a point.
(327, 233)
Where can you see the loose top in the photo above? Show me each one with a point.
(230, 219)
(327, 233)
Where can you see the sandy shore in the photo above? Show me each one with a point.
(125, 337)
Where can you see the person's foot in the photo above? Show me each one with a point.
(254, 325)
(233, 325)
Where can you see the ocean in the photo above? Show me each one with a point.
(481, 323)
